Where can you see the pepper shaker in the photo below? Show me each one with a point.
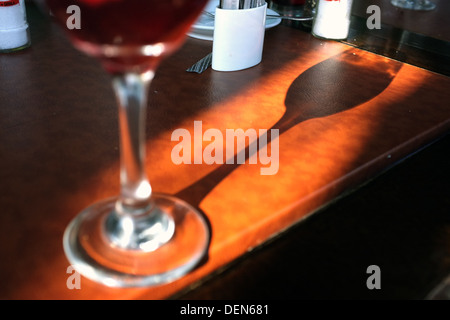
(332, 20)
(14, 31)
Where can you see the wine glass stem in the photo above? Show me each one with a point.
(132, 91)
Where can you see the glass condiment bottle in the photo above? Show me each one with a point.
(332, 20)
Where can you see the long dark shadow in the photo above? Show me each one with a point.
(339, 83)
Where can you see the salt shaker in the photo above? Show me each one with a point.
(332, 20)
(14, 32)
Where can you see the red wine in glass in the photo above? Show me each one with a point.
(116, 30)
(140, 238)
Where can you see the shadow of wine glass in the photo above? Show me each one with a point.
(332, 86)
(335, 85)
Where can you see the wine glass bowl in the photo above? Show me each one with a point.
(128, 34)
(140, 238)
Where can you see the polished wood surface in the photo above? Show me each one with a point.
(343, 115)
(398, 221)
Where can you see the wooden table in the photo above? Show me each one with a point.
(344, 116)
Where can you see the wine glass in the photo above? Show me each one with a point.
(140, 238)
(414, 4)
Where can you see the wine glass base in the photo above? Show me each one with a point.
(94, 256)
(414, 5)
